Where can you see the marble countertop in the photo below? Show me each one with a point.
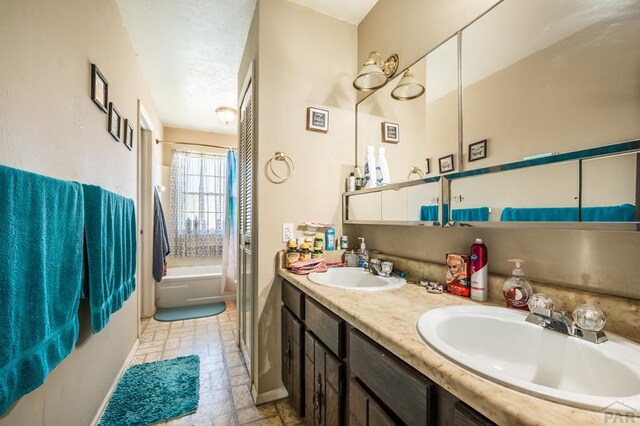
(389, 318)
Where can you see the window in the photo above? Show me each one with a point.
(197, 204)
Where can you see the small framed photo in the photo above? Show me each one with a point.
(446, 164)
(99, 88)
(128, 134)
(478, 150)
(114, 122)
(427, 166)
(390, 132)
(317, 120)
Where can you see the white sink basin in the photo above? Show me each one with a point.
(498, 344)
(355, 279)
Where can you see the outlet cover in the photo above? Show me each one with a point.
(287, 232)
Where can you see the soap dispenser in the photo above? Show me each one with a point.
(517, 289)
(363, 253)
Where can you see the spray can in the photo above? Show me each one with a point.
(479, 272)
(330, 239)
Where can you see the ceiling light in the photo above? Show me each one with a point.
(408, 88)
(375, 73)
(226, 114)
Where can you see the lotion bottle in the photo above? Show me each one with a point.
(383, 166)
(363, 253)
(370, 168)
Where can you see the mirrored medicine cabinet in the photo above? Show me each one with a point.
(545, 95)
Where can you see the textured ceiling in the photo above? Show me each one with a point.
(190, 52)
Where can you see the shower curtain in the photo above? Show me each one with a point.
(230, 243)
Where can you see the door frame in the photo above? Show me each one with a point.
(143, 203)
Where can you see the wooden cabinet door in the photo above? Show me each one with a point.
(292, 361)
(323, 384)
(364, 410)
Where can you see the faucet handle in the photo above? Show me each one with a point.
(540, 300)
(589, 317)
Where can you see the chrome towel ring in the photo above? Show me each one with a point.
(281, 156)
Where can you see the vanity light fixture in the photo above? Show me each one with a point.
(226, 114)
(407, 88)
(375, 73)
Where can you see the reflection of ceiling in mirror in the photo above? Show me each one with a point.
(526, 27)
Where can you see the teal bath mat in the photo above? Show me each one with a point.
(155, 392)
(189, 312)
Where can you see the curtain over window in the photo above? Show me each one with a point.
(197, 203)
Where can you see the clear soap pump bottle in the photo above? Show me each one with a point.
(517, 289)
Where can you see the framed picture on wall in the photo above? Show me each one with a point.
(390, 132)
(427, 166)
(128, 134)
(99, 88)
(114, 122)
(317, 120)
(446, 163)
(478, 150)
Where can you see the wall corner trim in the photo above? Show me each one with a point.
(272, 395)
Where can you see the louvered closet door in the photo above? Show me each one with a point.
(245, 258)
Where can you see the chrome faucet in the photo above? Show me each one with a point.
(562, 323)
(373, 266)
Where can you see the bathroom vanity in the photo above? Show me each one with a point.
(356, 358)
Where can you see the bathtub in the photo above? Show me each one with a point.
(191, 285)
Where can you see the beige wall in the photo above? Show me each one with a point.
(192, 136)
(588, 259)
(49, 125)
(306, 59)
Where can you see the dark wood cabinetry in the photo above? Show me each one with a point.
(324, 384)
(292, 359)
(336, 375)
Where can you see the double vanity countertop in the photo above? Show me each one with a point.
(389, 318)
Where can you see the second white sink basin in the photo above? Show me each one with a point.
(498, 344)
(355, 279)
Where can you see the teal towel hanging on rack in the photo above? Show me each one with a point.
(41, 227)
(110, 233)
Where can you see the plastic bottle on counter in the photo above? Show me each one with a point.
(370, 168)
(292, 255)
(363, 253)
(383, 167)
(305, 252)
(330, 239)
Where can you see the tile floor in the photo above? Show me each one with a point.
(225, 395)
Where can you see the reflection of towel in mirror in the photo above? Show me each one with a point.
(160, 239)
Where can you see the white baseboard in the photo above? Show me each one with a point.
(270, 396)
(105, 401)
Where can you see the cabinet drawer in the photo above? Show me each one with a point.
(326, 325)
(293, 299)
(401, 390)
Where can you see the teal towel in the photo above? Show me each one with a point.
(41, 226)
(475, 214)
(429, 213)
(110, 234)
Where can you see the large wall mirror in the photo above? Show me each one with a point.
(533, 80)
(550, 76)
